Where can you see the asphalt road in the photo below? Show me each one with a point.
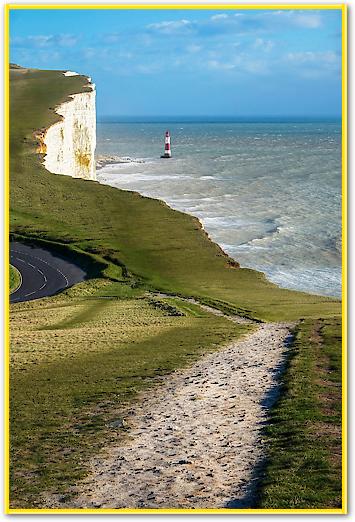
(43, 273)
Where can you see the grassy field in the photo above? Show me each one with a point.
(79, 359)
(14, 279)
(304, 436)
(156, 246)
(77, 363)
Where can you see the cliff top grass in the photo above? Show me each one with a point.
(304, 463)
(139, 239)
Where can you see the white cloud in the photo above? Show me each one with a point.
(310, 64)
(111, 38)
(242, 63)
(170, 27)
(264, 45)
(217, 64)
(224, 16)
(256, 67)
(310, 21)
(221, 16)
(67, 40)
(43, 56)
(89, 53)
(33, 41)
(148, 68)
(46, 40)
(193, 48)
(329, 57)
(303, 19)
(233, 44)
(41, 40)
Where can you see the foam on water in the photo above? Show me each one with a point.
(269, 194)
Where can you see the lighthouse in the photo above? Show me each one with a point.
(167, 150)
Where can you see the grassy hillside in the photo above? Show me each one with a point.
(304, 435)
(156, 246)
(77, 362)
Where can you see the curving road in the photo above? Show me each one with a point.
(43, 272)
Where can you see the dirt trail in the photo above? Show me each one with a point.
(234, 318)
(195, 441)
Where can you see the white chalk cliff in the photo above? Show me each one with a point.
(69, 145)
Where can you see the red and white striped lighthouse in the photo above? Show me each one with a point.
(167, 150)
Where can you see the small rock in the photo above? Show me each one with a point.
(119, 423)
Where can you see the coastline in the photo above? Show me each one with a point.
(107, 341)
(112, 161)
(103, 161)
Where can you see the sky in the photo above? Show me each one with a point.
(186, 62)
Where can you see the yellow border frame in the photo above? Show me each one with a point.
(343, 8)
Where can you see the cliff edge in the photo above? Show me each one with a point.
(69, 144)
(137, 240)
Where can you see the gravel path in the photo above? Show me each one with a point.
(195, 441)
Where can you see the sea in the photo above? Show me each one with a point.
(268, 192)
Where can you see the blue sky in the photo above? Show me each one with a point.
(191, 62)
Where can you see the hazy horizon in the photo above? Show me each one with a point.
(206, 118)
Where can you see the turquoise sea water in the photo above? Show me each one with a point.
(268, 193)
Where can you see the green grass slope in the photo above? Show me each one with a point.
(157, 246)
(14, 279)
(304, 435)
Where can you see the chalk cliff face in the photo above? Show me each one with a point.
(69, 145)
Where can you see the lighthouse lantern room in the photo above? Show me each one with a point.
(167, 149)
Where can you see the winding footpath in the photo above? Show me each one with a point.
(195, 442)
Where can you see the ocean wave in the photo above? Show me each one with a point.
(272, 203)
(223, 221)
(271, 228)
(225, 157)
(320, 281)
(103, 162)
(134, 177)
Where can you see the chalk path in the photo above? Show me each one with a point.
(195, 441)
